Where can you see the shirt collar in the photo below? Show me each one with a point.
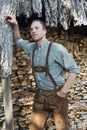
(43, 43)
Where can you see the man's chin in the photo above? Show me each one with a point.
(35, 40)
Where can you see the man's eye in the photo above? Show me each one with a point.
(36, 28)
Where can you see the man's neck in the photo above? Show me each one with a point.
(38, 43)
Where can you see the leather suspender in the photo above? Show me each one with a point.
(43, 68)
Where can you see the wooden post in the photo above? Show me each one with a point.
(7, 103)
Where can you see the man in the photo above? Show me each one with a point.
(48, 63)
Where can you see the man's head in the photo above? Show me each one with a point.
(38, 30)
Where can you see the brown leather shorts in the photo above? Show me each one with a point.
(49, 101)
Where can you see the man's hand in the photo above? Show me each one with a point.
(11, 19)
(14, 22)
(61, 93)
(70, 79)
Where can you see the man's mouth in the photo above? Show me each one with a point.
(34, 35)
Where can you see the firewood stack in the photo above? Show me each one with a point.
(22, 80)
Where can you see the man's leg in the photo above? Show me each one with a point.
(38, 119)
(61, 114)
(60, 122)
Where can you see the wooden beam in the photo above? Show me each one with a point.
(7, 103)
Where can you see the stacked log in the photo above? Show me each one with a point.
(22, 80)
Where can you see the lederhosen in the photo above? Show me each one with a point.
(47, 99)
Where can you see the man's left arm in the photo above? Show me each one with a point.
(70, 80)
(69, 65)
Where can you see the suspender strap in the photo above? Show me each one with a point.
(33, 71)
(48, 72)
(47, 57)
(48, 53)
(33, 58)
(52, 79)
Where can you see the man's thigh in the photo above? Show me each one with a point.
(61, 114)
(38, 119)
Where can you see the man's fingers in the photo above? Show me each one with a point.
(8, 18)
(61, 94)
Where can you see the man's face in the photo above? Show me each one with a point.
(37, 31)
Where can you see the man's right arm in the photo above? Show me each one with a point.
(14, 22)
(23, 44)
(16, 32)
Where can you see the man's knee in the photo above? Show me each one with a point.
(38, 119)
(61, 122)
(35, 127)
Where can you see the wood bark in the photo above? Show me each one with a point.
(7, 103)
(7, 7)
(28, 7)
(56, 11)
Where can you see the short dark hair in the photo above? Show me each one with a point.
(39, 20)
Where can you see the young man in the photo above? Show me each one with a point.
(48, 63)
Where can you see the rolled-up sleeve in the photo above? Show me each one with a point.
(66, 60)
